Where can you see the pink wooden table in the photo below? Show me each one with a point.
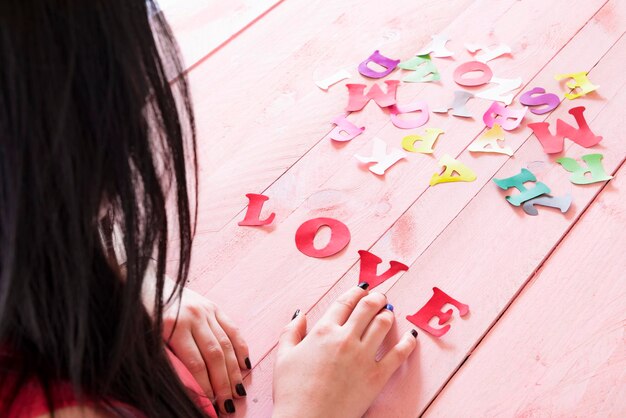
(546, 335)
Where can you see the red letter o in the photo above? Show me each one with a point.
(339, 238)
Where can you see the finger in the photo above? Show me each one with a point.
(340, 310)
(364, 312)
(189, 354)
(232, 366)
(379, 328)
(239, 344)
(293, 333)
(399, 353)
(216, 364)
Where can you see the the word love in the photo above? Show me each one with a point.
(368, 262)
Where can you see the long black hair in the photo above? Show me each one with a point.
(89, 122)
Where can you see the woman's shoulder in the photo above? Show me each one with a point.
(77, 412)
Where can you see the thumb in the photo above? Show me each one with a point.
(294, 332)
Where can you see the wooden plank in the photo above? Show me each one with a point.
(560, 348)
(261, 307)
(203, 26)
(258, 109)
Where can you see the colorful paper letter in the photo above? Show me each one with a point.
(458, 104)
(369, 267)
(381, 158)
(561, 202)
(553, 144)
(488, 142)
(357, 100)
(388, 63)
(594, 168)
(253, 214)
(505, 85)
(437, 47)
(423, 69)
(507, 117)
(433, 308)
(333, 79)
(452, 166)
(518, 181)
(488, 53)
(469, 67)
(344, 125)
(426, 141)
(305, 236)
(549, 99)
(578, 80)
(416, 106)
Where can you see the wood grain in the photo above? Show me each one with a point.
(560, 348)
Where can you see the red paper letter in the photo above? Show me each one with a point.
(432, 309)
(340, 237)
(357, 101)
(369, 266)
(254, 211)
(469, 67)
(553, 144)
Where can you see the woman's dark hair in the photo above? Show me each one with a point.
(89, 122)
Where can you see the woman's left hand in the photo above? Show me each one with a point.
(209, 345)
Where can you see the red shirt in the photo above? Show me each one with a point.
(31, 402)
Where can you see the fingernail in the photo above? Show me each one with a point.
(241, 391)
(414, 333)
(229, 406)
(364, 285)
(295, 314)
(389, 306)
(248, 364)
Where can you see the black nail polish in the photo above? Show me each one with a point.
(364, 285)
(389, 307)
(241, 391)
(295, 315)
(414, 333)
(248, 364)
(229, 406)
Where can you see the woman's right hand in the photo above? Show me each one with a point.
(333, 372)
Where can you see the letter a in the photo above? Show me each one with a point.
(357, 100)
(369, 267)
(461, 97)
(452, 166)
(488, 142)
(253, 213)
(432, 309)
(594, 168)
(518, 181)
(381, 158)
(553, 144)
(344, 125)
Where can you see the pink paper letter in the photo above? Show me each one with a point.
(344, 125)
(416, 106)
(357, 100)
(507, 117)
(305, 235)
(369, 267)
(469, 67)
(253, 213)
(432, 309)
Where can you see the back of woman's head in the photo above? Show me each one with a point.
(89, 125)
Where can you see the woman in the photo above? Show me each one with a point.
(94, 145)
